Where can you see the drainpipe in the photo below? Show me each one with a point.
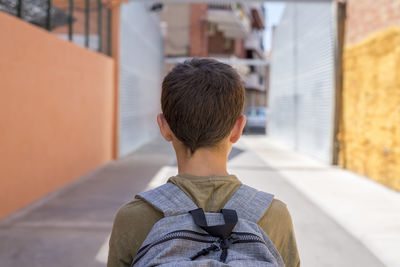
(340, 10)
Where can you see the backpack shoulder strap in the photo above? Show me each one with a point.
(169, 199)
(249, 203)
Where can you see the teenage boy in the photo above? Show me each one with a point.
(202, 103)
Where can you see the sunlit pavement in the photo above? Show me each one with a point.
(339, 217)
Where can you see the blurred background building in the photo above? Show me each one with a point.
(222, 31)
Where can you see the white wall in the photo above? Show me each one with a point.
(141, 70)
(302, 88)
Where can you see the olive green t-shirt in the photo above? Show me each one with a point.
(135, 219)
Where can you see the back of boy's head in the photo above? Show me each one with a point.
(201, 101)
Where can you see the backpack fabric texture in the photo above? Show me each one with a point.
(188, 236)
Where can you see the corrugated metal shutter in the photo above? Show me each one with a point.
(302, 79)
(141, 70)
(281, 119)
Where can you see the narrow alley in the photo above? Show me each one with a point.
(80, 90)
(70, 227)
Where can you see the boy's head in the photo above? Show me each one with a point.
(201, 101)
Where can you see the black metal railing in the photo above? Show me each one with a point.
(85, 22)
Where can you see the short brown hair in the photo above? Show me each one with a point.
(201, 100)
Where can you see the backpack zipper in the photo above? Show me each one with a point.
(236, 237)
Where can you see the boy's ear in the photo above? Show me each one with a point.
(164, 127)
(238, 129)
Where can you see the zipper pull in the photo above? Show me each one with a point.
(205, 251)
(224, 246)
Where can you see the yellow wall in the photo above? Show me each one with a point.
(370, 127)
(56, 112)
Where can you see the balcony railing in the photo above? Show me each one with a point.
(232, 19)
(255, 81)
(84, 22)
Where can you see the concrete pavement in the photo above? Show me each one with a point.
(71, 226)
(358, 216)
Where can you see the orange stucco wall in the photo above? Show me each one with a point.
(56, 112)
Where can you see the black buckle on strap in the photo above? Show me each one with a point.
(223, 231)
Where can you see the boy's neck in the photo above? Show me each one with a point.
(203, 162)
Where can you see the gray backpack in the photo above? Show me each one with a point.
(187, 236)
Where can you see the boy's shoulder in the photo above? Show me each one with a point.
(132, 223)
(277, 215)
(137, 210)
(277, 209)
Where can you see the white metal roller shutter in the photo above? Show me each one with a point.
(141, 63)
(311, 48)
(281, 102)
(315, 79)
